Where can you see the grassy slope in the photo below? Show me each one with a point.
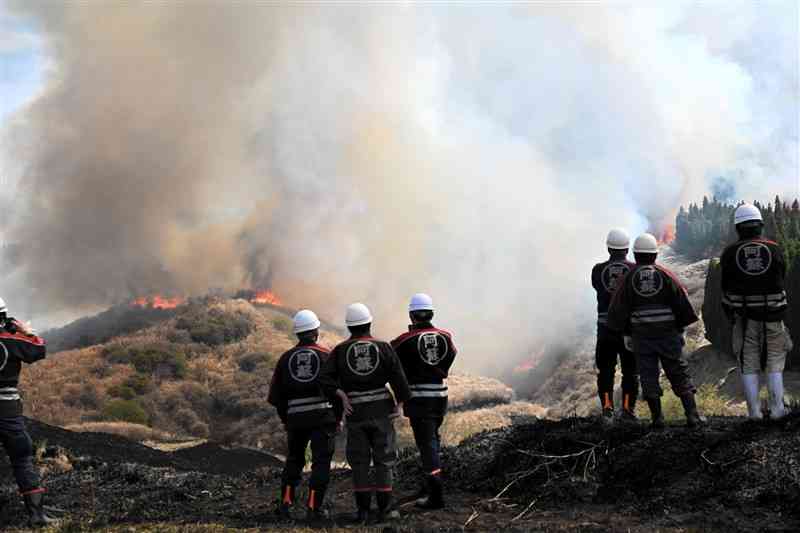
(214, 397)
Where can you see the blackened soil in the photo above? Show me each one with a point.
(573, 474)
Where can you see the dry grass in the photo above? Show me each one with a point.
(215, 399)
(135, 432)
(458, 426)
(466, 391)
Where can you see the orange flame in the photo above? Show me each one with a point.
(265, 297)
(159, 302)
(667, 235)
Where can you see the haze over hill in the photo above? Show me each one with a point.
(369, 152)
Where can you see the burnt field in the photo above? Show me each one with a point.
(573, 474)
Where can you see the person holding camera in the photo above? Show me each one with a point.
(19, 345)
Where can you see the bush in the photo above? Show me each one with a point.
(162, 358)
(89, 396)
(214, 326)
(250, 362)
(281, 323)
(122, 391)
(140, 383)
(125, 411)
(117, 354)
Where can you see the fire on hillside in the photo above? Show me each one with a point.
(158, 301)
(260, 297)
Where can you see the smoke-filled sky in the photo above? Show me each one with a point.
(365, 152)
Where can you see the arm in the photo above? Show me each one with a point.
(447, 362)
(619, 310)
(276, 396)
(397, 377)
(596, 279)
(25, 346)
(329, 384)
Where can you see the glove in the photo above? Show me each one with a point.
(628, 341)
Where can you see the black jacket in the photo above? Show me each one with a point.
(650, 303)
(753, 273)
(15, 349)
(426, 353)
(362, 367)
(295, 389)
(605, 278)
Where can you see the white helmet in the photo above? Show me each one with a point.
(3, 308)
(747, 213)
(420, 302)
(357, 315)
(305, 320)
(618, 239)
(645, 244)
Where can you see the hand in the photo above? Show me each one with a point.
(23, 328)
(628, 343)
(339, 426)
(346, 405)
(398, 411)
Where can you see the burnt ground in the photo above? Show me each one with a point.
(572, 474)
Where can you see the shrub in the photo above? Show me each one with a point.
(125, 411)
(162, 358)
(122, 391)
(250, 362)
(89, 396)
(214, 326)
(199, 429)
(140, 383)
(281, 323)
(117, 354)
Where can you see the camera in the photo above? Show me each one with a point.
(8, 323)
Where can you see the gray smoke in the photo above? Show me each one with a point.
(363, 153)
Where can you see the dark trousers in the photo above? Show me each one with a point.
(19, 448)
(426, 435)
(608, 349)
(666, 352)
(372, 441)
(322, 446)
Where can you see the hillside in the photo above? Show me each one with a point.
(202, 371)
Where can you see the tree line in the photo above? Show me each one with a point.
(703, 230)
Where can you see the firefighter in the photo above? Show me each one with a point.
(357, 372)
(753, 297)
(611, 344)
(307, 416)
(653, 305)
(19, 345)
(426, 353)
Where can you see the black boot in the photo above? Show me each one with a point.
(656, 415)
(385, 511)
(37, 515)
(693, 418)
(363, 503)
(315, 514)
(435, 499)
(285, 501)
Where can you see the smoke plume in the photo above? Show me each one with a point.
(363, 153)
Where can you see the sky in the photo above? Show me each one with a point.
(476, 151)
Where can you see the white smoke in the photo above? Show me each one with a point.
(363, 153)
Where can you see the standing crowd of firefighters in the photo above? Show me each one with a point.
(643, 312)
(314, 388)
